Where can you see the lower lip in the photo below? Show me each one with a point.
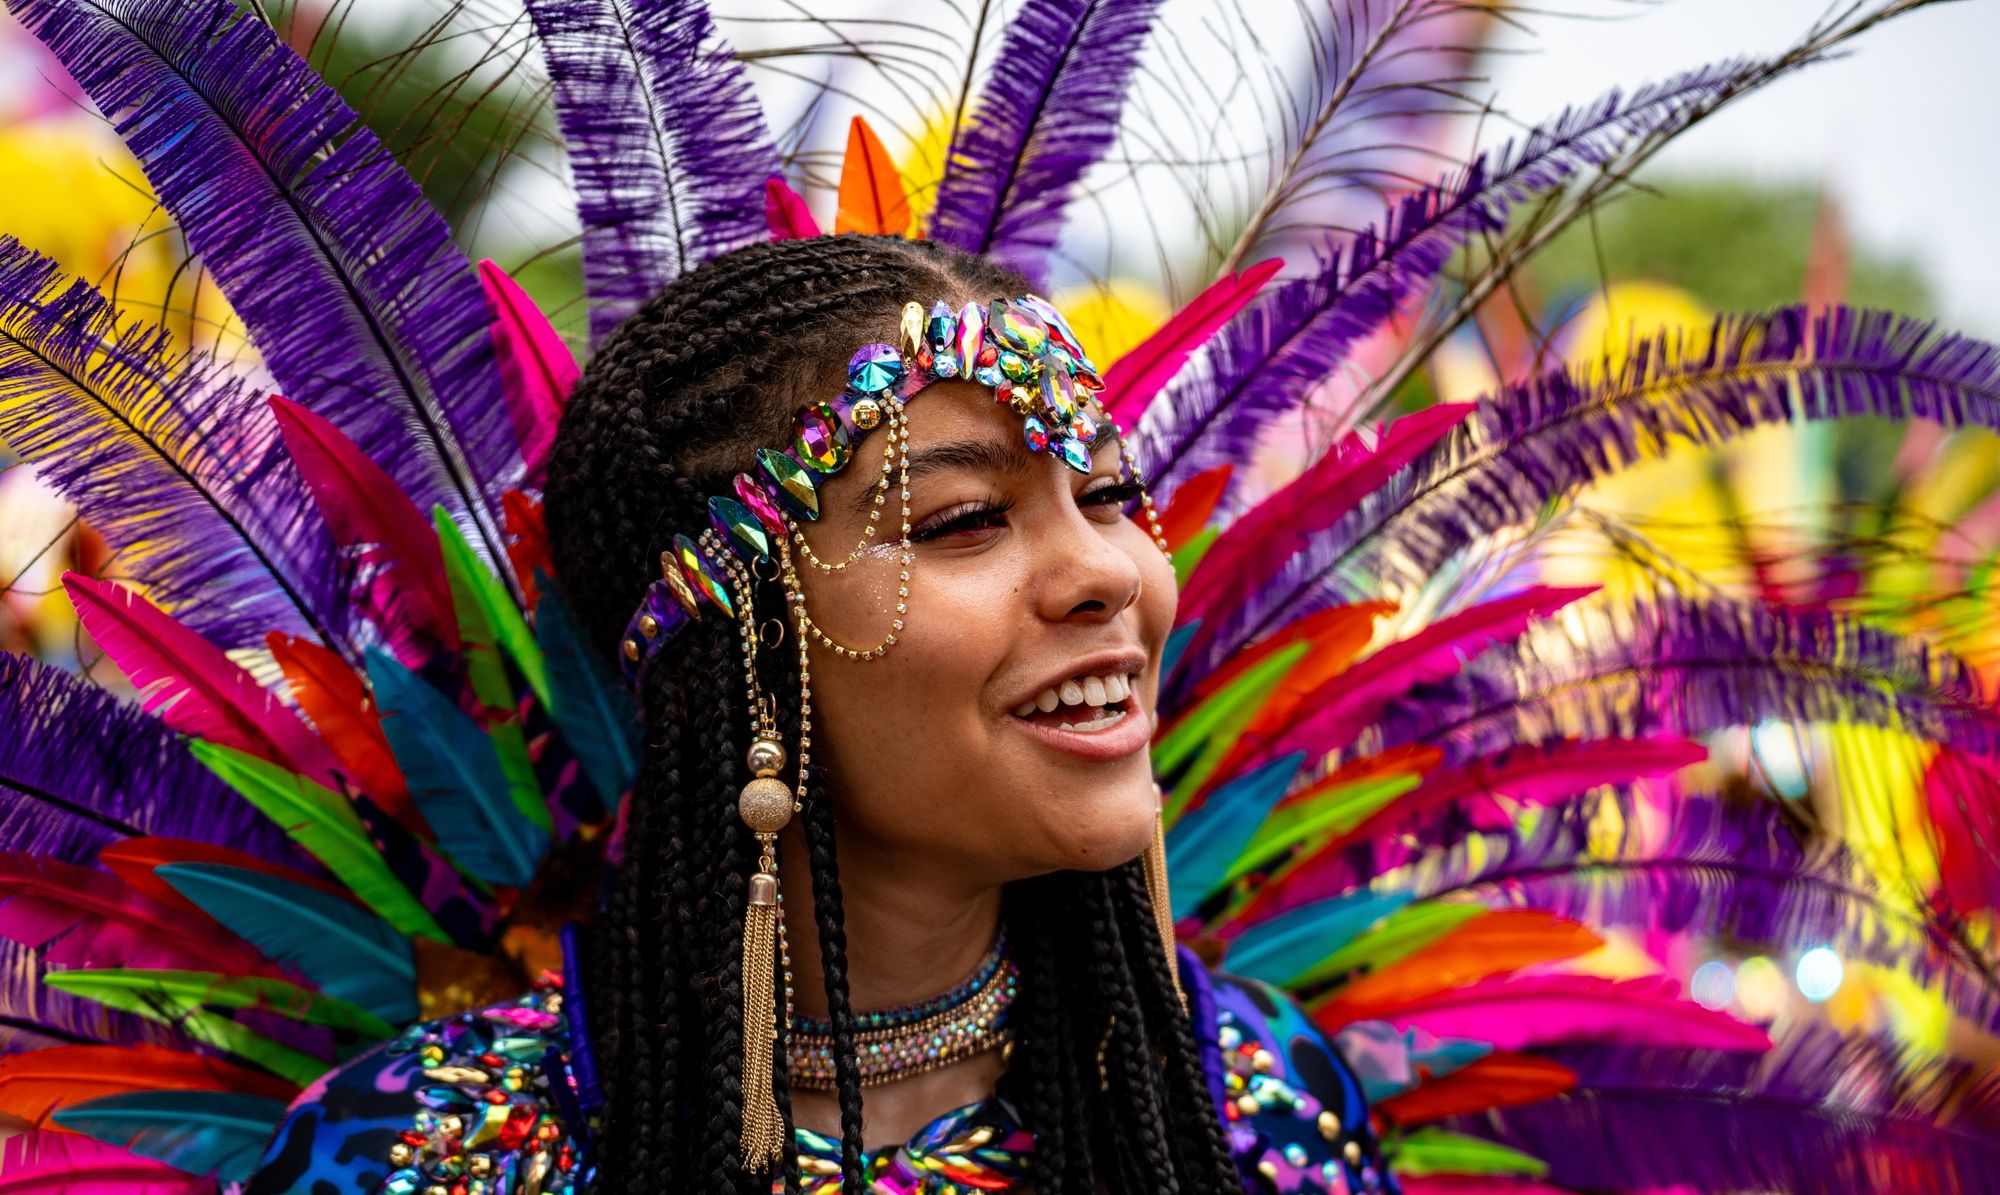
(1129, 734)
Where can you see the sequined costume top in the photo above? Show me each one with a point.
(501, 1100)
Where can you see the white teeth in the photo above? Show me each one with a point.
(1093, 691)
(1072, 693)
(1115, 688)
(1024, 709)
(1048, 701)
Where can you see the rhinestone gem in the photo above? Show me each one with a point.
(946, 365)
(1037, 433)
(701, 574)
(913, 328)
(1073, 454)
(875, 368)
(1018, 327)
(1083, 427)
(670, 571)
(738, 528)
(971, 334)
(792, 482)
(1059, 392)
(758, 501)
(823, 443)
(1016, 368)
(988, 375)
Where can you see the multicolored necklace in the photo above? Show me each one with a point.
(968, 1020)
(977, 1150)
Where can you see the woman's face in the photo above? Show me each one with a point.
(1005, 734)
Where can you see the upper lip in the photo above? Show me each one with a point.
(1104, 663)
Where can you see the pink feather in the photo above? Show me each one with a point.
(787, 213)
(1523, 1012)
(537, 371)
(1963, 794)
(50, 1162)
(407, 595)
(1245, 557)
(192, 684)
(89, 918)
(1475, 1184)
(1132, 381)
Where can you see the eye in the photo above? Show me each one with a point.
(1115, 494)
(965, 518)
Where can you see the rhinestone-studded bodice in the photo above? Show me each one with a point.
(497, 1101)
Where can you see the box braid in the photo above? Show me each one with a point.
(675, 402)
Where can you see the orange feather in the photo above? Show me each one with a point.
(527, 539)
(872, 199)
(334, 698)
(1499, 1080)
(1192, 505)
(1499, 942)
(38, 1083)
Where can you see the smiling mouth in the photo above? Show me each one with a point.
(1081, 704)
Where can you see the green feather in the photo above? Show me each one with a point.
(1399, 935)
(1190, 553)
(482, 603)
(1335, 811)
(1432, 1150)
(1203, 738)
(321, 821)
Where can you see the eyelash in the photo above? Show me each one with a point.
(979, 516)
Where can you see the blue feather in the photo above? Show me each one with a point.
(1204, 844)
(456, 776)
(1176, 644)
(219, 1133)
(343, 949)
(597, 718)
(1287, 946)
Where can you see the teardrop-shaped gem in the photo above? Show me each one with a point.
(701, 574)
(875, 368)
(1018, 327)
(791, 483)
(676, 579)
(738, 528)
(1082, 427)
(1073, 453)
(971, 335)
(913, 328)
(1016, 368)
(1037, 433)
(823, 442)
(758, 502)
(1059, 329)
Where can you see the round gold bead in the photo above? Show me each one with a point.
(765, 757)
(649, 626)
(765, 805)
(632, 650)
(866, 413)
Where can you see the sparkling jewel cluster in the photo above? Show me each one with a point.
(1253, 1090)
(489, 1122)
(970, 1019)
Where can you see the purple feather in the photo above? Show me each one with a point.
(1544, 439)
(1285, 345)
(80, 769)
(1819, 1115)
(1680, 665)
(666, 141)
(1049, 110)
(350, 286)
(172, 458)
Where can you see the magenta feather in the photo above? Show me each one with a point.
(50, 1162)
(1135, 378)
(537, 370)
(786, 212)
(83, 917)
(190, 683)
(1963, 794)
(1521, 1011)
(403, 587)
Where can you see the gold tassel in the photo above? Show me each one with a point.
(1162, 901)
(763, 1140)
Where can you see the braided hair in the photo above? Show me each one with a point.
(1104, 1071)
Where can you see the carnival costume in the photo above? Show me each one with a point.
(273, 927)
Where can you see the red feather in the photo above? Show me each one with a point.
(35, 1084)
(1192, 504)
(189, 682)
(53, 1163)
(1963, 793)
(134, 859)
(1520, 1011)
(1135, 378)
(336, 699)
(1498, 1080)
(527, 539)
(786, 213)
(408, 595)
(537, 371)
(89, 918)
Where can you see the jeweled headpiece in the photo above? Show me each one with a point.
(1027, 354)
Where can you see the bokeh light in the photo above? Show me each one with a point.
(1760, 988)
(1818, 974)
(1713, 985)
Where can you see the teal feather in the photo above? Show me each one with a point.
(346, 951)
(219, 1133)
(1177, 642)
(1203, 845)
(456, 777)
(1287, 946)
(593, 711)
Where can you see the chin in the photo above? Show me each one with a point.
(1111, 833)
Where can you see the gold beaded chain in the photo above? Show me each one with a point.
(899, 431)
(1131, 465)
(895, 434)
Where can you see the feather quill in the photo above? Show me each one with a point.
(666, 142)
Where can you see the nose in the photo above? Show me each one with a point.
(1085, 576)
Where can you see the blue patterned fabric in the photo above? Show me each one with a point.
(488, 1103)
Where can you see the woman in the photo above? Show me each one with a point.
(978, 801)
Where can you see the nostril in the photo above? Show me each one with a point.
(1092, 606)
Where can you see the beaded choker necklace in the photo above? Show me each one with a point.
(896, 1043)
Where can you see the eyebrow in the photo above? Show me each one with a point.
(974, 456)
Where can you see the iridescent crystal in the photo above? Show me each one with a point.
(758, 501)
(945, 365)
(792, 483)
(823, 442)
(738, 528)
(875, 368)
(1019, 327)
(1083, 428)
(1037, 433)
(913, 328)
(1058, 327)
(1059, 392)
(670, 571)
(988, 375)
(1016, 368)
(971, 335)
(702, 575)
(1073, 453)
